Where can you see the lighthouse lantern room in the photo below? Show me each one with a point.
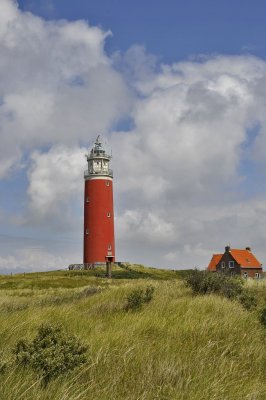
(99, 243)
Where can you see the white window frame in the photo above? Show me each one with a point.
(107, 183)
(87, 199)
(223, 264)
(231, 264)
(257, 275)
(245, 274)
(109, 246)
(108, 215)
(87, 231)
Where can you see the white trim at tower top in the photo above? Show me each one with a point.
(91, 177)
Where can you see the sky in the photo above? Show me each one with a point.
(178, 91)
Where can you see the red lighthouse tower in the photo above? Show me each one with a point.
(99, 241)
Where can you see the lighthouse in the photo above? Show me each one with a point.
(99, 241)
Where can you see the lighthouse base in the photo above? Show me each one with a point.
(79, 267)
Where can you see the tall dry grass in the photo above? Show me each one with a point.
(176, 347)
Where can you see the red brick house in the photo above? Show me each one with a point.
(236, 262)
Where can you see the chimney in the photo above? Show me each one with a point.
(227, 249)
(248, 248)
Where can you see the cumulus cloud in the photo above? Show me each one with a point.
(182, 178)
(56, 83)
(55, 179)
(182, 161)
(191, 125)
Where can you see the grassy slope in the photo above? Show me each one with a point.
(177, 347)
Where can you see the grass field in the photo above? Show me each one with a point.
(176, 347)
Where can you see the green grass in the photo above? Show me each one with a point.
(176, 347)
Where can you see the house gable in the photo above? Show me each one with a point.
(228, 264)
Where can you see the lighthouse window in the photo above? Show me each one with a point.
(87, 199)
(107, 183)
(108, 214)
(109, 247)
(87, 231)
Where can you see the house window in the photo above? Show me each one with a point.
(87, 231)
(108, 214)
(223, 264)
(257, 275)
(245, 274)
(107, 183)
(231, 264)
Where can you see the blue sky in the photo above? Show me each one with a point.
(178, 90)
(172, 29)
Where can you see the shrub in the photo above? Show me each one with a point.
(148, 295)
(248, 301)
(203, 282)
(138, 297)
(135, 299)
(263, 316)
(51, 353)
(231, 287)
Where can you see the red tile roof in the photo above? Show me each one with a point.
(214, 261)
(245, 258)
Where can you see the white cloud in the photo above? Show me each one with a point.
(191, 125)
(55, 184)
(56, 83)
(182, 159)
(182, 185)
(137, 225)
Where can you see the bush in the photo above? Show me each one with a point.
(248, 301)
(203, 282)
(138, 297)
(135, 299)
(263, 316)
(231, 287)
(148, 295)
(51, 353)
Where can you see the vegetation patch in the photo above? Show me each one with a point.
(248, 300)
(138, 297)
(179, 346)
(202, 282)
(51, 353)
(263, 316)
